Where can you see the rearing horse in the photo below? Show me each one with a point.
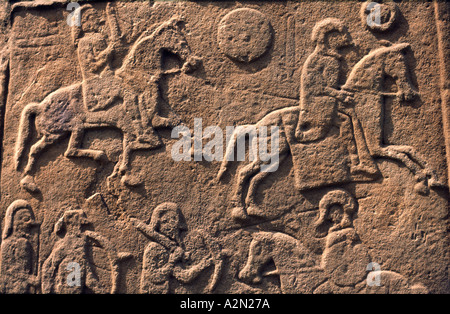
(63, 113)
(366, 81)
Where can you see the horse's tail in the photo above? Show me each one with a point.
(400, 46)
(24, 130)
(228, 153)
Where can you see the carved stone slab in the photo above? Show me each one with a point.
(224, 147)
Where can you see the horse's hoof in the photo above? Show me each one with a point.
(28, 184)
(254, 210)
(239, 213)
(131, 180)
(245, 276)
(421, 188)
(122, 256)
(436, 183)
(100, 156)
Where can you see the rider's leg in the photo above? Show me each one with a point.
(144, 119)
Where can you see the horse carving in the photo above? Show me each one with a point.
(63, 112)
(342, 127)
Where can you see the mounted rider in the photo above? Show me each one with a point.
(102, 88)
(324, 128)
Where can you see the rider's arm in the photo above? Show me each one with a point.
(153, 235)
(88, 57)
(330, 79)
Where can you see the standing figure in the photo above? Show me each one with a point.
(18, 270)
(69, 251)
(70, 254)
(164, 256)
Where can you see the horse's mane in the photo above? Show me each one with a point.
(272, 237)
(145, 40)
(376, 54)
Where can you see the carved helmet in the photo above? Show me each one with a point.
(324, 27)
(338, 197)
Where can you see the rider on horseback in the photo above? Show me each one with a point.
(102, 89)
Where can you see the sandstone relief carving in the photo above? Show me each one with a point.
(106, 99)
(244, 34)
(224, 147)
(165, 255)
(324, 106)
(19, 250)
(71, 251)
(340, 268)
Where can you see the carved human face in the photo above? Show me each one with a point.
(339, 39)
(335, 214)
(169, 224)
(23, 221)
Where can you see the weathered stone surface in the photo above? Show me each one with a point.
(104, 188)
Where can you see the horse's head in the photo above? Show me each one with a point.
(145, 59)
(371, 72)
(173, 40)
(261, 253)
(258, 256)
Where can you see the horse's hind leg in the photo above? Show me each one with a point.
(27, 181)
(74, 150)
(246, 172)
(252, 208)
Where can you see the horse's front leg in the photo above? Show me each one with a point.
(415, 163)
(74, 150)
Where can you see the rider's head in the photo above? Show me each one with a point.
(330, 34)
(167, 219)
(336, 209)
(91, 21)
